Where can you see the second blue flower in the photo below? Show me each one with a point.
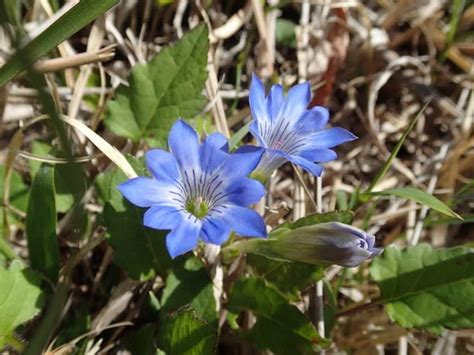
(289, 131)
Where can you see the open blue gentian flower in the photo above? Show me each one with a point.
(289, 131)
(198, 191)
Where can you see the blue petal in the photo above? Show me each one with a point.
(271, 160)
(376, 252)
(213, 152)
(184, 237)
(313, 120)
(297, 101)
(162, 165)
(320, 155)
(242, 162)
(329, 138)
(275, 101)
(214, 231)
(145, 192)
(163, 217)
(257, 100)
(243, 221)
(218, 140)
(244, 191)
(307, 165)
(184, 144)
(255, 131)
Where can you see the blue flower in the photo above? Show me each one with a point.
(198, 191)
(289, 131)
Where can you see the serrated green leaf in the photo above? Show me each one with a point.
(288, 278)
(20, 298)
(280, 326)
(168, 87)
(419, 196)
(189, 284)
(41, 224)
(137, 249)
(184, 333)
(427, 288)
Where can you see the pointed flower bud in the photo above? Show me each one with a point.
(324, 243)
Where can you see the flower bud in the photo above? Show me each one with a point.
(324, 243)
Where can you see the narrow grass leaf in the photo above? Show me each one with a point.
(395, 150)
(79, 16)
(419, 196)
(238, 136)
(41, 222)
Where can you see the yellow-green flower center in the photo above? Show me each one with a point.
(197, 207)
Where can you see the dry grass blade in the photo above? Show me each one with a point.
(58, 64)
(111, 152)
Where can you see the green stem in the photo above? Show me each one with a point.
(7, 250)
(50, 321)
(56, 305)
(13, 342)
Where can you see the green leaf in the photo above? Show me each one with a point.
(70, 185)
(238, 136)
(418, 196)
(69, 179)
(77, 322)
(316, 218)
(166, 88)
(427, 288)
(280, 327)
(10, 11)
(18, 198)
(41, 224)
(189, 284)
(137, 249)
(72, 21)
(142, 340)
(184, 333)
(38, 148)
(18, 189)
(457, 8)
(288, 278)
(285, 33)
(20, 299)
